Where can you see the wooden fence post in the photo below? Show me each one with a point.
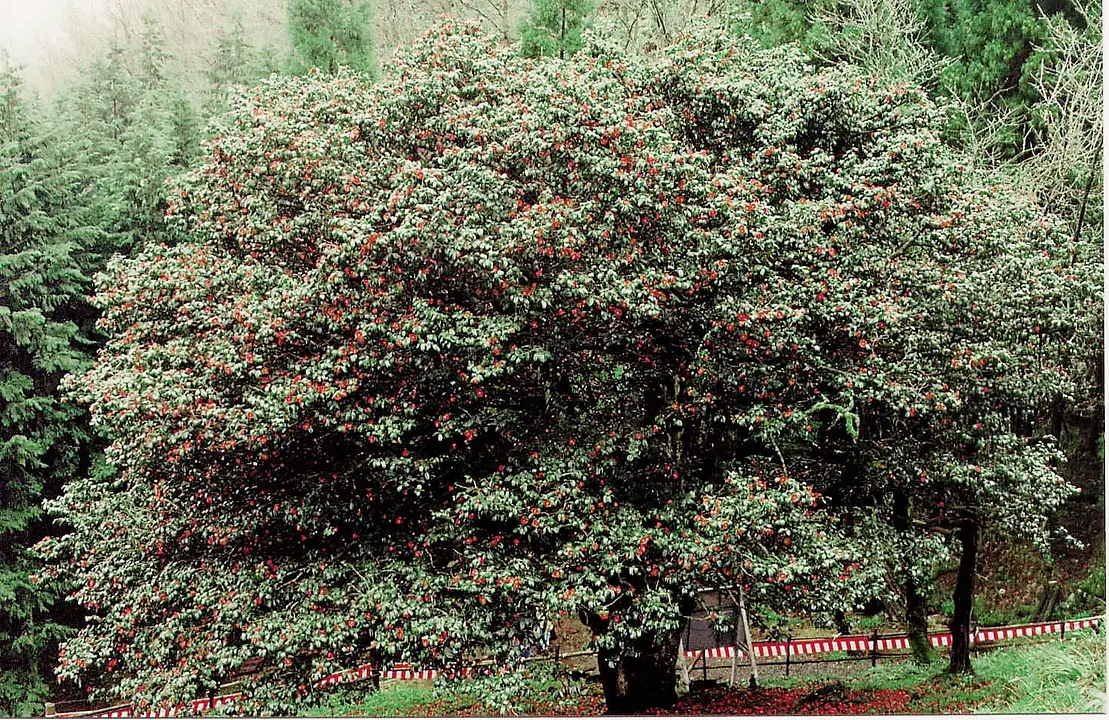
(874, 648)
(789, 639)
(735, 643)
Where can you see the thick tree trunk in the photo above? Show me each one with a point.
(916, 615)
(964, 598)
(645, 679)
(633, 684)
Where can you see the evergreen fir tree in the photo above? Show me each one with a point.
(554, 27)
(165, 97)
(329, 34)
(234, 64)
(139, 171)
(989, 44)
(130, 116)
(42, 304)
(777, 22)
(105, 97)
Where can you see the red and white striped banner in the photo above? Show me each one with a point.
(901, 642)
(195, 707)
(404, 671)
(1052, 628)
(400, 671)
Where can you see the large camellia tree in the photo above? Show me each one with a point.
(499, 339)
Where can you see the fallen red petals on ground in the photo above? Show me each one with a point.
(808, 700)
(813, 699)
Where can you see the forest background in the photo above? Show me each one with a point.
(95, 125)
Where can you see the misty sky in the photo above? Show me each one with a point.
(29, 27)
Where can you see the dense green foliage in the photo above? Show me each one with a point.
(988, 41)
(329, 34)
(43, 314)
(440, 359)
(780, 22)
(989, 53)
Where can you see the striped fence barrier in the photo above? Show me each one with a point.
(810, 647)
(901, 642)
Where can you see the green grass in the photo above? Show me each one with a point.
(932, 691)
(1066, 676)
(397, 699)
(543, 689)
(1058, 676)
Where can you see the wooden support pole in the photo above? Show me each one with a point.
(735, 646)
(750, 646)
(681, 661)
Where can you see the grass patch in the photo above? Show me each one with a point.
(930, 690)
(1058, 676)
(398, 699)
(1063, 676)
(543, 689)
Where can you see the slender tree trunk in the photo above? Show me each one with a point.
(642, 677)
(562, 37)
(916, 616)
(1094, 172)
(964, 598)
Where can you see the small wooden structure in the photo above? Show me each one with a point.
(720, 621)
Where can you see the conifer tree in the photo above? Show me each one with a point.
(234, 64)
(554, 27)
(329, 34)
(131, 118)
(778, 22)
(42, 291)
(989, 45)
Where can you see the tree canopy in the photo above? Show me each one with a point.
(438, 359)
